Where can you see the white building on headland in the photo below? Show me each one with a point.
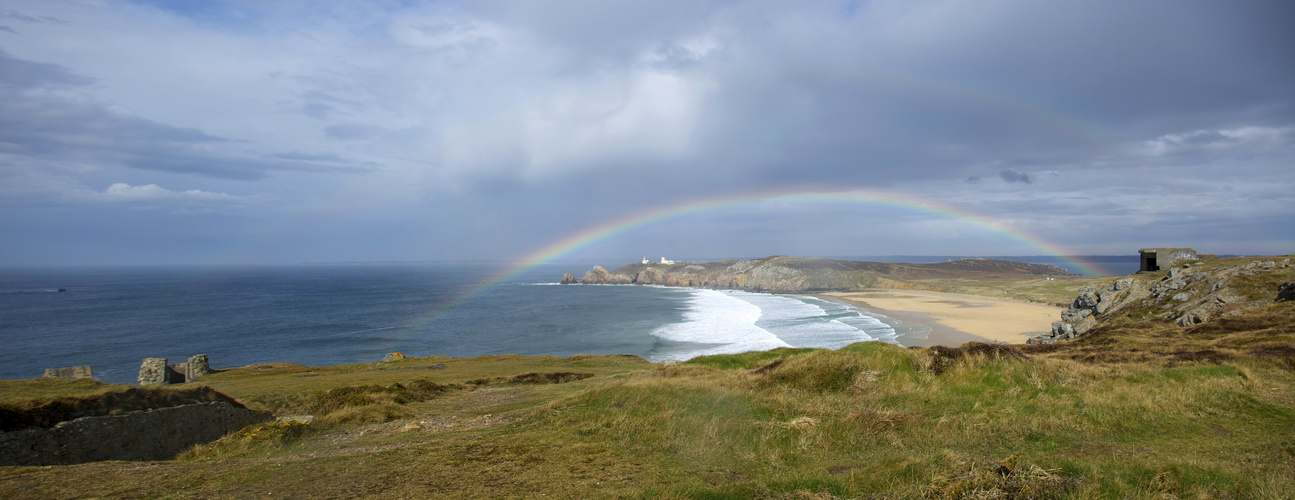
(645, 261)
(663, 261)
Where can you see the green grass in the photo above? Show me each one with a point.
(1123, 414)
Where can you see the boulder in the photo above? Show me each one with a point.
(393, 356)
(1073, 315)
(1083, 326)
(1087, 299)
(1190, 318)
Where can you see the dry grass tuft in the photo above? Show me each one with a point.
(251, 439)
(1005, 480)
(549, 378)
(372, 403)
(939, 358)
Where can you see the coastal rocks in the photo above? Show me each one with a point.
(568, 279)
(1080, 316)
(649, 276)
(1072, 315)
(72, 372)
(1084, 325)
(742, 266)
(1087, 299)
(600, 276)
(393, 357)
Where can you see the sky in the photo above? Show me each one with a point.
(253, 132)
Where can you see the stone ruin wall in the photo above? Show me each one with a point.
(155, 371)
(71, 372)
(159, 434)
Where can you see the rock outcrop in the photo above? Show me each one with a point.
(600, 276)
(1187, 295)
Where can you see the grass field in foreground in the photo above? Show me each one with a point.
(870, 419)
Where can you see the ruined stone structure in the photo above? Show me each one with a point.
(1152, 259)
(71, 372)
(155, 371)
(196, 367)
(158, 434)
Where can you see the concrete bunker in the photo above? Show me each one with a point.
(1153, 259)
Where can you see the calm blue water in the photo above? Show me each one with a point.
(112, 318)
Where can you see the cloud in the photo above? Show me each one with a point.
(18, 16)
(487, 110)
(42, 117)
(122, 192)
(1248, 140)
(20, 74)
(1011, 176)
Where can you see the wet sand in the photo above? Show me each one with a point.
(956, 318)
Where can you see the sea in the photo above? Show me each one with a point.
(111, 318)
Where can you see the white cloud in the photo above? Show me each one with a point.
(122, 192)
(1248, 140)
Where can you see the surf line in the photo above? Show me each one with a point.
(869, 198)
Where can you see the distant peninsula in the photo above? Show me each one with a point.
(783, 274)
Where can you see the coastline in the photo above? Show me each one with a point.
(954, 318)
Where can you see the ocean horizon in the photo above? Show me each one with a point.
(111, 317)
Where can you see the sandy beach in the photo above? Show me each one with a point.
(956, 318)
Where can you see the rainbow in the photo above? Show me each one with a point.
(620, 226)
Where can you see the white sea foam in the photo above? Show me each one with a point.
(722, 322)
(716, 323)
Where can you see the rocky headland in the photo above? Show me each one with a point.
(782, 274)
(1188, 295)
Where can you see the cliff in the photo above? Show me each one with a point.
(784, 274)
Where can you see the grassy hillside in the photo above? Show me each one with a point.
(1138, 407)
(1141, 411)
